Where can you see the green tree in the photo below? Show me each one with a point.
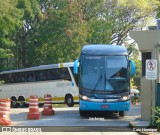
(134, 55)
(63, 31)
(110, 21)
(45, 31)
(9, 24)
(26, 37)
(127, 15)
(98, 27)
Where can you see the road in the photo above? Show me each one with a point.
(68, 119)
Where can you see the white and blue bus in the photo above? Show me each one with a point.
(104, 79)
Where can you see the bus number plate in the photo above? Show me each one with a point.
(104, 106)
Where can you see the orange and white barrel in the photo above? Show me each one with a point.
(5, 112)
(48, 105)
(33, 108)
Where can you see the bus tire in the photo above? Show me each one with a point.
(21, 102)
(14, 102)
(27, 105)
(69, 100)
(40, 104)
(82, 113)
(122, 113)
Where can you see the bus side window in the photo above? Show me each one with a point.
(21, 77)
(30, 77)
(65, 74)
(56, 74)
(37, 75)
(14, 78)
(10, 78)
(51, 74)
(43, 75)
(4, 78)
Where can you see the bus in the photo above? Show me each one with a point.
(55, 79)
(104, 79)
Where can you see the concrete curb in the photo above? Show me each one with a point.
(141, 124)
(132, 125)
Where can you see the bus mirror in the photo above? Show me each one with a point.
(132, 68)
(76, 64)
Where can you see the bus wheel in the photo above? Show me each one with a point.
(122, 113)
(14, 102)
(40, 104)
(27, 105)
(21, 102)
(69, 100)
(82, 113)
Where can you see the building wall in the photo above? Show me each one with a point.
(148, 41)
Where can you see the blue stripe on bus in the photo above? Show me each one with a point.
(100, 106)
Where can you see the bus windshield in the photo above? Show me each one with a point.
(107, 73)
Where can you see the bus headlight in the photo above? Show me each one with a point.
(125, 98)
(83, 97)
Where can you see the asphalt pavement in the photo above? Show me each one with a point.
(68, 121)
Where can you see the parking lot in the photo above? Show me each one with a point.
(69, 117)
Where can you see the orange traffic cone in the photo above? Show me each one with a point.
(5, 112)
(48, 105)
(33, 108)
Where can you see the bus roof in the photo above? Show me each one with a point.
(41, 67)
(104, 49)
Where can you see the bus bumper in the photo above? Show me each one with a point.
(99, 106)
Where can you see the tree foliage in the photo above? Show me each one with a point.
(10, 22)
(127, 15)
(26, 37)
(35, 32)
(134, 55)
(63, 31)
